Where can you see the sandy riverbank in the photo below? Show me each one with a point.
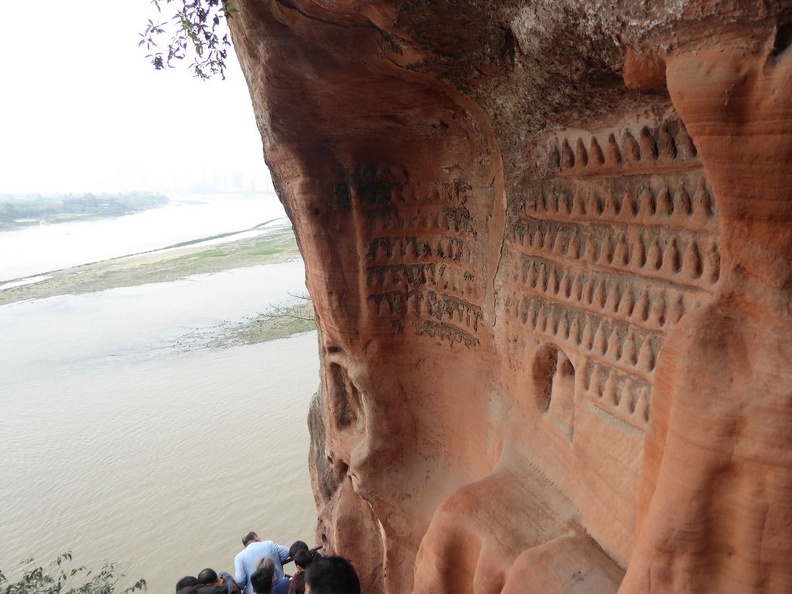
(175, 263)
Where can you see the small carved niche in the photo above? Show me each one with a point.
(554, 386)
(345, 402)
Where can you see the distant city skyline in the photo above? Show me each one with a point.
(83, 110)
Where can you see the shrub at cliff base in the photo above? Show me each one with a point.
(60, 577)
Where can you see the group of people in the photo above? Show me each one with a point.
(258, 569)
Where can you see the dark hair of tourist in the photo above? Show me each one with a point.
(298, 544)
(303, 558)
(248, 538)
(261, 580)
(207, 576)
(187, 580)
(332, 575)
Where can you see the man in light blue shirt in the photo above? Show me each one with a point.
(245, 562)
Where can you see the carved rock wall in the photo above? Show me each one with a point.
(549, 250)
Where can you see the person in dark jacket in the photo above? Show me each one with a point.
(261, 579)
(302, 559)
(210, 578)
(331, 575)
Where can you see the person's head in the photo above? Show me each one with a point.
(298, 544)
(261, 580)
(207, 576)
(331, 575)
(186, 581)
(248, 538)
(266, 564)
(303, 557)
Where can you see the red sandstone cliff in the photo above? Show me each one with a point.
(549, 246)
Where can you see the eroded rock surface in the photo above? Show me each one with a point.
(549, 247)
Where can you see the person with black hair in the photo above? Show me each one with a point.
(207, 576)
(261, 580)
(303, 557)
(279, 586)
(210, 578)
(188, 581)
(298, 544)
(331, 575)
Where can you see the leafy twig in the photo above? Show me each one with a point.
(199, 29)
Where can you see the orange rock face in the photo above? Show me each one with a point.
(550, 251)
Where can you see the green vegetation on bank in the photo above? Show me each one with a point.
(25, 210)
(188, 259)
(61, 577)
(278, 322)
(160, 266)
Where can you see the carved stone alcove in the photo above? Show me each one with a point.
(549, 248)
(554, 387)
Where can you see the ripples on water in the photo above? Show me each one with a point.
(119, 446)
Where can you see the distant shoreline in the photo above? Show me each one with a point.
(28, 210)
(201, 256)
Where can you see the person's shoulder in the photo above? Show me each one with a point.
(219, 589)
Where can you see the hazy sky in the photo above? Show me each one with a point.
(81, 109)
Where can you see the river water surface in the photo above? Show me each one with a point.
(118, 441)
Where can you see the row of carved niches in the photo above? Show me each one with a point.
(619, 358)
(605, 255)
(682, 201)
(423, 261)
(649, 304)
(647, 145)
(443, 315)
(681, 250)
